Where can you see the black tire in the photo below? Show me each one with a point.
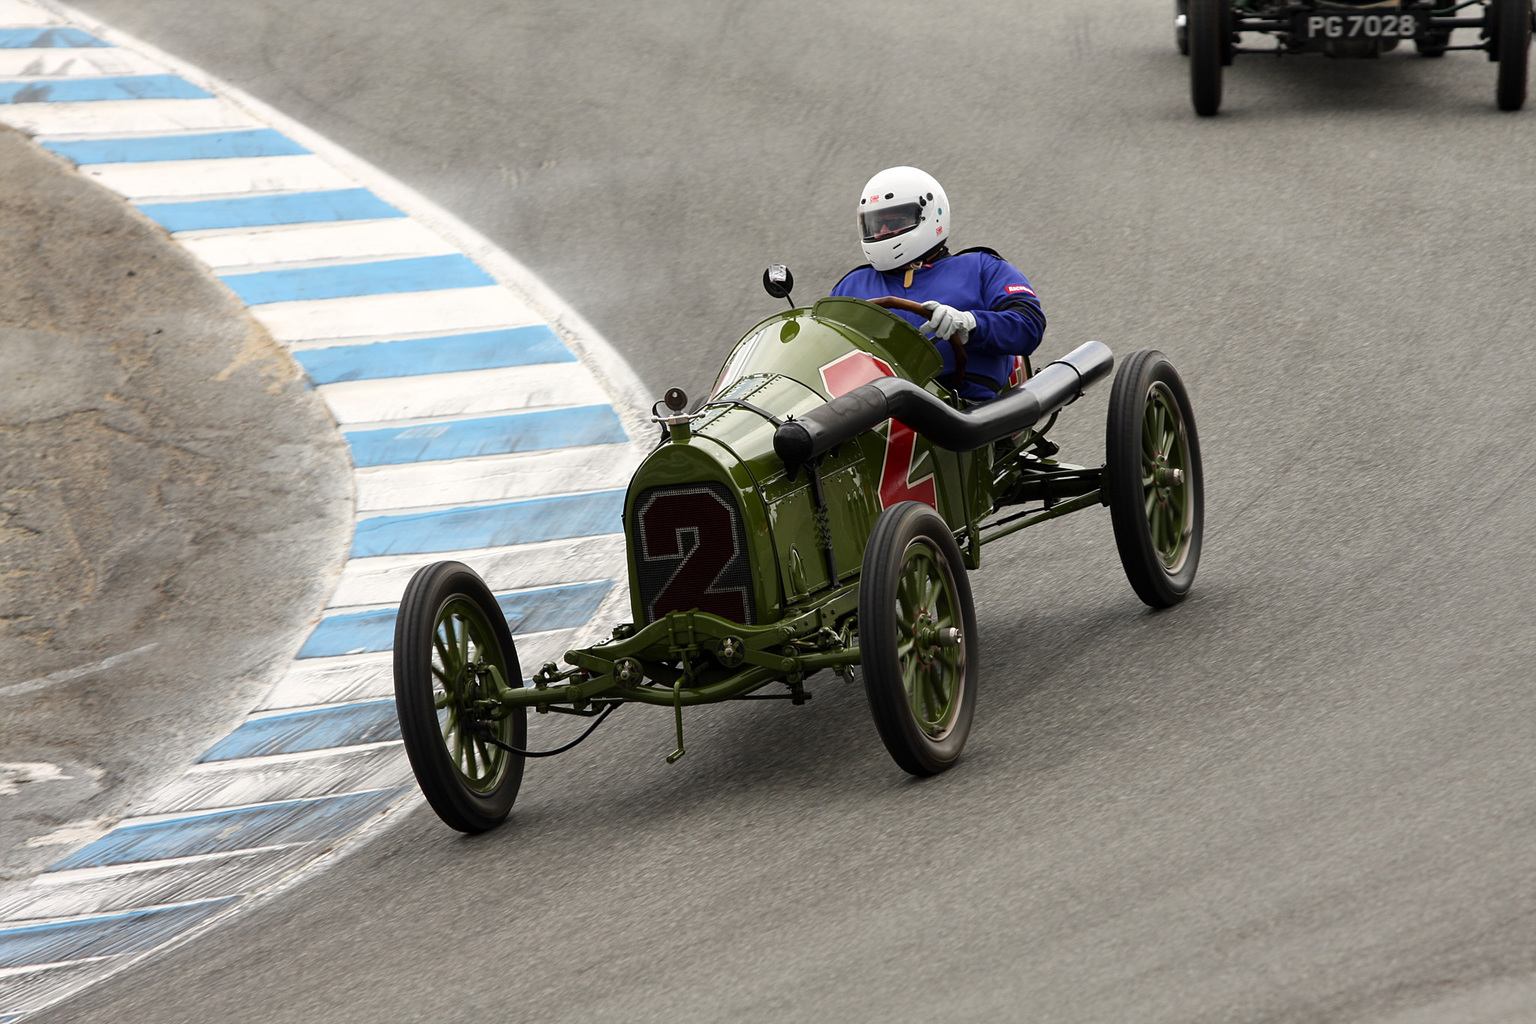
(1510, 21)
(1228, 33)
(470, 783)
(1181, 32)
(1153, 479)
(912, 592)
(1208, 46)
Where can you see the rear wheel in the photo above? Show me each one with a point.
(1510, 21)
(917, 638)
(1181, 25)
(452, 647)
(1153, 479)
(1208, 45)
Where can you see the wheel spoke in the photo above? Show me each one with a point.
(936, 700)
(943, 696)
(913, 581)
(939, 701)
(909, 679)
(932, 700)
(464, 658)
(933, 592)
(1179, 447)
(905, 606)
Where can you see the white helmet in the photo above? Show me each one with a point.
(903, 213)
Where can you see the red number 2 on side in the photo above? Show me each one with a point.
(844, 374)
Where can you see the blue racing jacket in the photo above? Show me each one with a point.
(1009, 320)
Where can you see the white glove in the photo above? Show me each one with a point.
(947, 322)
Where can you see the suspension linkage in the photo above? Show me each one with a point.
(482, 731)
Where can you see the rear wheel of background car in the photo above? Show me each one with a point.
(1152, 479)
(917, 638)
(1181, 28)
(451, 641)
(1512, 48)
(1207, 43)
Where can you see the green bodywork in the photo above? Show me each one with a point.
(799, 527)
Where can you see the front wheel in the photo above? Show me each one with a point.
(917, 638)
(1153, 480)
(1511, 24)
(1208, 45)
(453, 652)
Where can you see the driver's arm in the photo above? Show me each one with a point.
(1014, 323)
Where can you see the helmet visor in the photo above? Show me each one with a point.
(878, 225)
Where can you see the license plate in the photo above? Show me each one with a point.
(1357, 25)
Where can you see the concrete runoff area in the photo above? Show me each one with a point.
(1302, 796)
(174, 508)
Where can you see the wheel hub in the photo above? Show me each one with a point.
(925, 637)
(1165, 479)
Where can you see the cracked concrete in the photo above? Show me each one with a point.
(175, 506)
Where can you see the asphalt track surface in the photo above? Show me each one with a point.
(175, 501)
(1304, 795)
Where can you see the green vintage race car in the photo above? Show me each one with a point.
(818, 512)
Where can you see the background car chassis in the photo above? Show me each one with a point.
(1207, 32)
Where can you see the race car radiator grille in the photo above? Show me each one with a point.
(691, 552)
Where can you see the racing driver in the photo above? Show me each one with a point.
(974, 297)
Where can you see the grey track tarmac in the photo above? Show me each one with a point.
(174, 506)
(1304, 795)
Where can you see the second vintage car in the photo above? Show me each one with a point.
(1208, 32)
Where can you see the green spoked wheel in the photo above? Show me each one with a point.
(917, 638)
(453, 653)
(1153, 480)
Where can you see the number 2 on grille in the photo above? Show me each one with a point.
(666, 520)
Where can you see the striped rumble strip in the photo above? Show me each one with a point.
(481, 418)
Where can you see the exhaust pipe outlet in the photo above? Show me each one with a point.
(798, 441)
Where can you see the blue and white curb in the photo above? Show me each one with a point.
(487, 422)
